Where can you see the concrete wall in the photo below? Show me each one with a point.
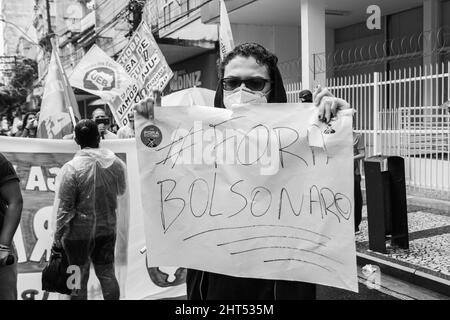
(402, 25)
(283, 41)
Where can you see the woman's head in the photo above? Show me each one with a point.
(249, 70)
(30, 116)
(86, 134)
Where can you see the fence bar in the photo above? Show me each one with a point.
(399, 113)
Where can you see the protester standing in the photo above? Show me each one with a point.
(249, 74)
(4, 126)
(17, 120)
(102, 121)
(29, 125)
(127, 132)
(115, 128)
(11, 204)
(19, 129)
(87, 198)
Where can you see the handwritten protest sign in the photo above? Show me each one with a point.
(98, 74)
(37, 163)
(260, 191)
(144, 61)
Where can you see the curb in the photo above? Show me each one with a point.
(407, 274)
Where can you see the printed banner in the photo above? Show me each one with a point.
(98, 74)
(260, 191)
(144, 61)
(37, 162)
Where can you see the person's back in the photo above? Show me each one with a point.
(86, 221)
(98, 177)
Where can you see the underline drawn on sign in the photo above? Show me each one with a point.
(284, 247)
(329, 269)
(255, 226)
(269, 237)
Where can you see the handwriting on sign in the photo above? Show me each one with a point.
(260, 189)
(320, 200)
(260, 145)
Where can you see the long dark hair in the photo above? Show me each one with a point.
(25, 119)
(262, 57)
(86, 133)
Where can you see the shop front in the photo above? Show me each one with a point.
(199, 71)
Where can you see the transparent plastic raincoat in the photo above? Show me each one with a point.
(90, 189)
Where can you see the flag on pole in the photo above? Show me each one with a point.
(59, 106)
(225, 35)
(99, 74)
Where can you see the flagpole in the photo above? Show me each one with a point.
(65, 83)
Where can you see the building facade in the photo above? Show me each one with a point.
(15, 33)
(190, 46)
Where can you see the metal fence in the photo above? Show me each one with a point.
(400, 113)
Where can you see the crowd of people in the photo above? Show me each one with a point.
(19, 124)
(25, 124)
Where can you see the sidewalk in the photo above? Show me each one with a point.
(427, 262)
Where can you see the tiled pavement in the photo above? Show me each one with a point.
(429, 239)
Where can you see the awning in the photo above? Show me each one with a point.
(176, 50)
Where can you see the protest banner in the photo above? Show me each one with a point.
(58, 102)
(144, 61)
(37, 162)
(226, 41)
(259, 191)
(98, 74)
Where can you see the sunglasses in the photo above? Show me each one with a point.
(254, 84)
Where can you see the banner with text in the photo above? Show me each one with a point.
(98, 74)
(37, 162)
(144, 61)
(259, 191)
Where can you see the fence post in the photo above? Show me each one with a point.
(376, 110)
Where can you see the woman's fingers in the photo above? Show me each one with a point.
(156, 97)
(316, 92)
(329, 106)
(334, 108)
(324, 92)
(145, 108)
(321, 112)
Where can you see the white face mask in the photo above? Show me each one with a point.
(241, 96)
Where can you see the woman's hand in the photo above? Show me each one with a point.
(145, 107)
(328, 104)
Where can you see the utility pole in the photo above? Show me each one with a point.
(49, 23)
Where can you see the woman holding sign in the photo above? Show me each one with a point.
(249, 74)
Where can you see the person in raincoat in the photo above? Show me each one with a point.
(87, 199)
